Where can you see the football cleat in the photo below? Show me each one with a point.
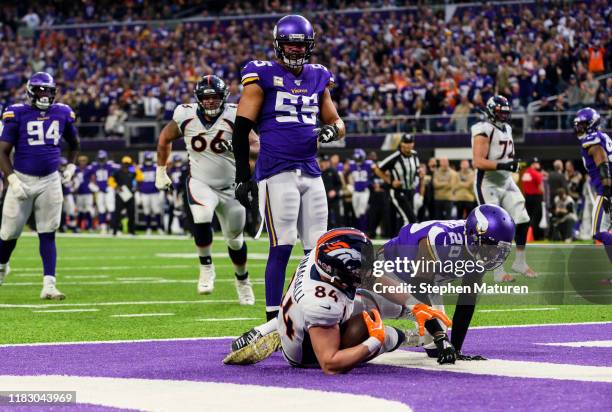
(4, 270)
(245, 339)
(245, 292)
(260, 348)
(206, 284)
(49, 291)
(525, 271)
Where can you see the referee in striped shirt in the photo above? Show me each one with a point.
(400, 171)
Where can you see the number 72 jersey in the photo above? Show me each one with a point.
(36, 134)
(501, 147)
(288, 116)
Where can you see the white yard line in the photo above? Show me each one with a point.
(531, 325)
(224, 319)
(129, 281)
(144, 302)
(65, 310)
(515, 310)
(582, 344)
(141, 315)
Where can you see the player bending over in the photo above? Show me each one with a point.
(35, 131)
(207, 127)
(324, 320)
(493, 157)
(285, 98)
(596, 154)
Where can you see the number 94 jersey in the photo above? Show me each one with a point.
(288, 116)
(501, 148)
(209, 162)
(309, 302)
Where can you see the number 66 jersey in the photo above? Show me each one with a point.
(309, 302)
(209, 161)
(288, 116)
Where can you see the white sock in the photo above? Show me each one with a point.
(48, 280)
(268, 327)
(520, 258)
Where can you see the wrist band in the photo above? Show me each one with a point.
(372, 344)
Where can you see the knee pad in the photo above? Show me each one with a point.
(202, 234)
(520, 236)
(238, 256)
(235, 243)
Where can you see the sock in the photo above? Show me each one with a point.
(520, 236)
(268, 327)
(239, 258)
(6, 248)
(148, 221)
(158, 221)
(519, 259)
(271, 314)
(102, 219)
(48, 280)
(278, 258)
(48, 252)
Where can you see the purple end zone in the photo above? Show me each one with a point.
(420, 389)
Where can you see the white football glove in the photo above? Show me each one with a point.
(68, 173)
(17, 186)
(162, 180)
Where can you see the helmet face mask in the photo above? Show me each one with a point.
(41, 90)
(294, 40)
(211, 93)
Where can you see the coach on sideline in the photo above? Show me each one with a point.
(400, 171)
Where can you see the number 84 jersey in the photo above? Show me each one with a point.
(209, 162)
(309, 302)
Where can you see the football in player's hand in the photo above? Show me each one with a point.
(354, 331)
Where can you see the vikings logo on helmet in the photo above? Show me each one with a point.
(586, 121)
(489, 231)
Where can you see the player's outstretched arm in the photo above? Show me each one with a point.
(326, 345)
(169, 133)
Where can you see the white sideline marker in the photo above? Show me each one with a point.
(141, 315)
(515, 310)
(223, 319)
(65, 310)
(583, 344)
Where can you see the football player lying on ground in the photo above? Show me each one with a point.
(486, 235)
(322, 321)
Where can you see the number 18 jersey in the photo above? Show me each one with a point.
(288, 116)
(309, 302)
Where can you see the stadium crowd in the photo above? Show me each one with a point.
(388, 62)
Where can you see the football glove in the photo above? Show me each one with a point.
(247, 193)
(421, 313)
(509, 166)
(162, 180)
(461, 356)
(68, 173)
(606, 204)
(17, 186)
(375, 326)
(446, 351)
(327, 133)
(226, 145)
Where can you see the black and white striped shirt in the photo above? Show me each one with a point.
(402, 168)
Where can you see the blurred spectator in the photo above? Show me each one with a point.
(444, 180)
(589, 88)
(574, 181)
(564, 216)
(596, 58)
(575, 94)
(533, 188)
(115, 121)
(461, 113)
(151, 106)
(556, 179)
(464, 190)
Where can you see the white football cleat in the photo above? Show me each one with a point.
(4, 270)
(245, 292)
(500, 275)
(148, 232)
(524, 270)
(206, 284)
(49, 291)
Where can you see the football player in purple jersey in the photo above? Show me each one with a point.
(85, 185)
(360, 178)
(286, 98)
(596, 151)
(35, 130)
(152, 199)
(103, 169)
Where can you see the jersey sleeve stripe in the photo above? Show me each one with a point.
(8, 115)
(253, 74)
(249, 80)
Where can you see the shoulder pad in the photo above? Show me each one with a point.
(590, 139)
(484, 128)
(253, 71)
(183, 112)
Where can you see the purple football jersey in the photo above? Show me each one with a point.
(288, 116)
(147, 186)
(587, 141)
(36, 136)
(103, 171)
(83, 177)
(362, 174)
(175, 175)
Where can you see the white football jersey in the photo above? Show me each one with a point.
(208, 161)
(501, 147)
(309, 302)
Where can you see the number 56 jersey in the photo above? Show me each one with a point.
(288, 116)
(209, 162)
(309, 302)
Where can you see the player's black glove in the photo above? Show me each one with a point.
(327, 133)
(461, 356)
(247, 194)
(446, 351)
(509, 166)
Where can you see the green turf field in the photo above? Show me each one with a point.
(107, 278)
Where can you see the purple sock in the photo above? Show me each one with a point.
(6, 248)
(48, 252)
(148, 221)
(102, 218)
(89, 220)
(278, 258)
(158, 219)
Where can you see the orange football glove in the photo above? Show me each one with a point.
(422, 313)
(376, 329)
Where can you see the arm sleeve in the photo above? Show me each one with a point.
(466, 304)
(9, 128)
(240, 141)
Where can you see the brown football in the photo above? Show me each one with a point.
(353, 332)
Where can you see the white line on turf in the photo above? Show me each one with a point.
(583, 344)
(223, 319)
(145, 302)
(64, 310)
(139, 267)
(515, 310)
(10, 345)
(141, 315)
(129, 281)
(252, 256)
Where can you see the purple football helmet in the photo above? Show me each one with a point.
(359, 155)
(148, 157)
(293, 30)
(489, 231)
(102, 155)
(586, 121)
(40, 90)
